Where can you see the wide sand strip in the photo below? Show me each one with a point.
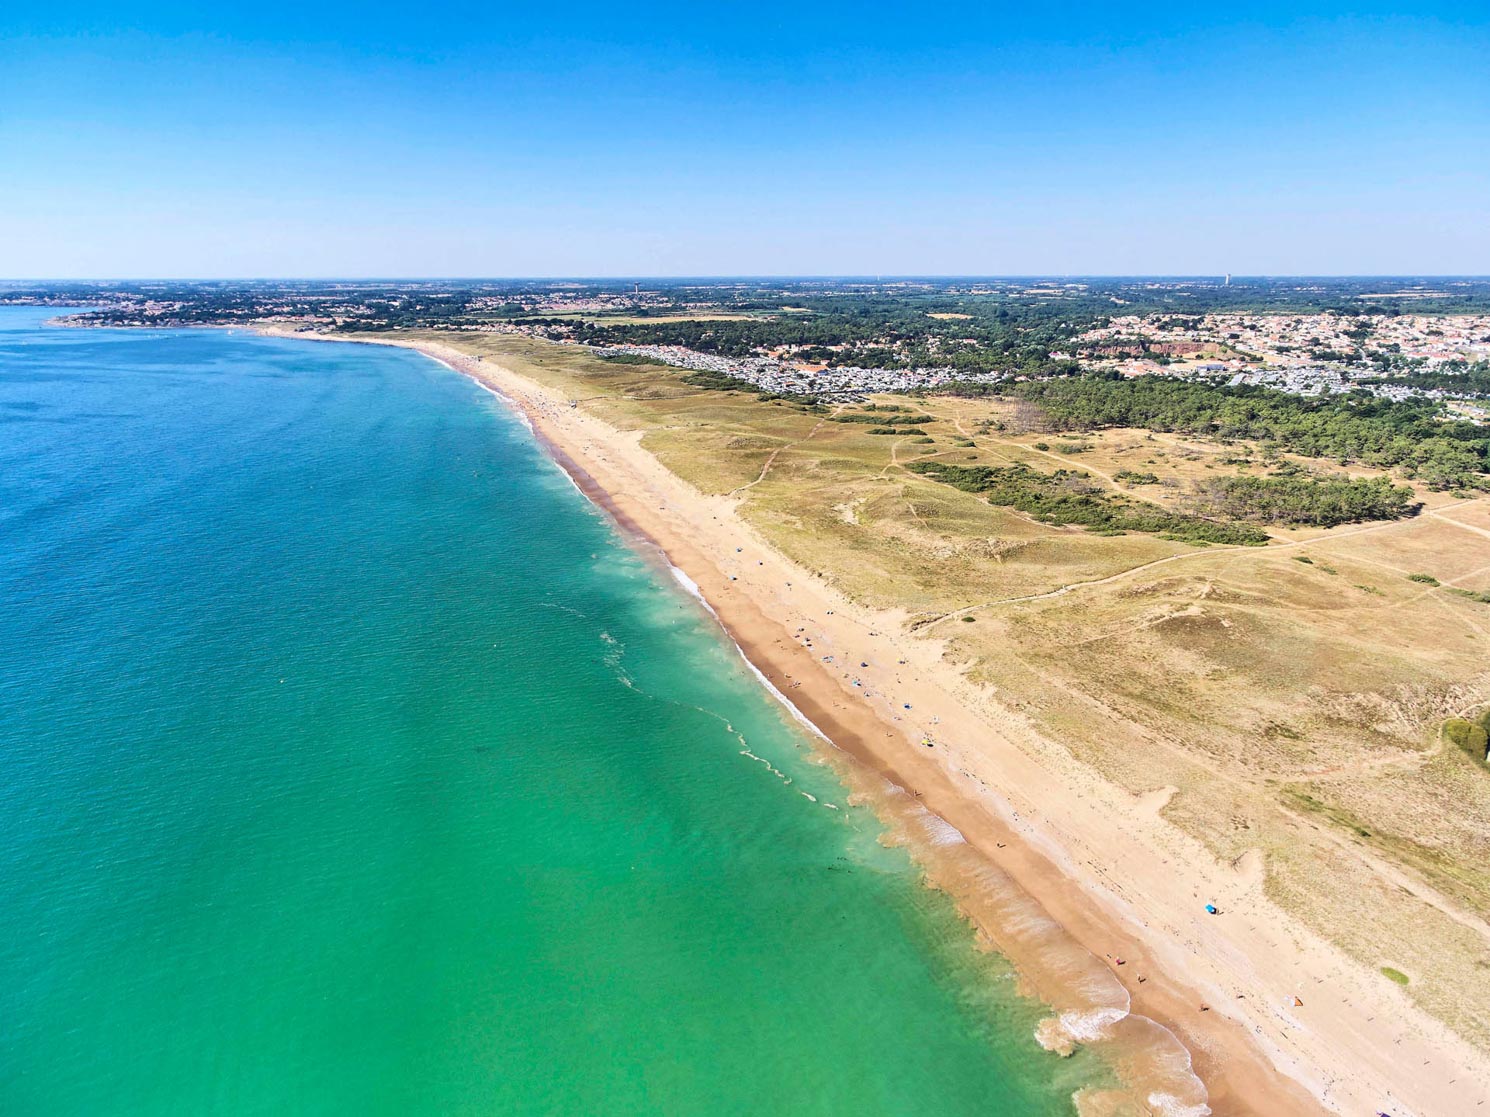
(1277, 1020)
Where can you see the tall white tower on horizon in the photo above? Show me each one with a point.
(1228, 280)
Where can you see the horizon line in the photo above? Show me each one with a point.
(748, 277)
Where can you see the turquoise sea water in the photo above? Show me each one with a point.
(351, 764)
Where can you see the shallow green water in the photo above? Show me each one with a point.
(350, 764)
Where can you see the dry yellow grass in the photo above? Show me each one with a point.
(1294, 705)
(642, 319)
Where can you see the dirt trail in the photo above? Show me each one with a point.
(771, 460)
(1210, 552)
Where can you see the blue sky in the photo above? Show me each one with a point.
(321, 139)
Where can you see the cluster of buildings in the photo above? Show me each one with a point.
(775, 376)
(574, 299)
(1323, 380)
(1309, 354)
(1284, 339)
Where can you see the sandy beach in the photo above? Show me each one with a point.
(1098, 901)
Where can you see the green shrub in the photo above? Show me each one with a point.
(1069, 497)
(1469, 736)
(1426, 579)
(714, 381)
(901, 420)
(637, 359)
(1482, 596)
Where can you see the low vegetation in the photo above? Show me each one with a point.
(713, 381)
(632, 359)
(1482, 596)
(1312, 501)
(879, 417)
(1070, 497)
(1471, 735)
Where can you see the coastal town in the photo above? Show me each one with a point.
(1307, 355)
(842, 339)
(1312, 354)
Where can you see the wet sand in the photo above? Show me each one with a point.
(1059, 870)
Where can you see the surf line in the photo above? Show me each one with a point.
(1179, 1089)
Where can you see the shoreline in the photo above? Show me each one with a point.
(1155, 1065)
(1056, 869)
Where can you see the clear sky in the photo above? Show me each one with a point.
(455, 139)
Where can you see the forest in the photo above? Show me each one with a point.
(1410, 436)
(1307, 501)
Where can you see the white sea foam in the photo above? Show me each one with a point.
(940, 832)
(688, 584)
(1091, 1024)
(697, 594)
(1171, 1106)
(517, 412)
(692, 587)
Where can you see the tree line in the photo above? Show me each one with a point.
(1409, 435)
(1312, 501)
